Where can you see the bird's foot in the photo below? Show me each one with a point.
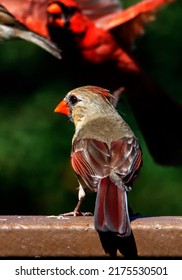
(77, 213)
(58, 217)
(74, 213)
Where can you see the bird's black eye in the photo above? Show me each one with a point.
(73, 99)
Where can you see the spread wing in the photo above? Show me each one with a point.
(131, 21)
(93, 160)
(106, 14)
(96, 9)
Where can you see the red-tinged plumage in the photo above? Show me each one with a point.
(106, 14)
(106, 158)
(111, 212)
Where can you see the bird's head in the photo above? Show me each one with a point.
(66, 15)
(59, 12)
(87, 102)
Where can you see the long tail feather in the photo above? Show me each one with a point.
(111, 210)
(112, 220)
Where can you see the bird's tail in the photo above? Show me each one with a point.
(111, 209)
(40, 41)
(112, 222)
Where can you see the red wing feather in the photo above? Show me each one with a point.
(82, 168)
(126, 158)
(96, 9)
(32, 13)
(107, 14)
(132, 20)
(90, 160)
(80, 165)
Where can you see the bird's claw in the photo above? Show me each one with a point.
(76, 213)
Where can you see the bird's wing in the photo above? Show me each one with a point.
(107, 14)
(96, 9)
(126, 158)
(8, 19)
(94, 160)
(90, 160)
(130, 22)
(32, 13)
(105, 169)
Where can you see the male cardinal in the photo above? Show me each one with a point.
(106, 157)
(10, 28)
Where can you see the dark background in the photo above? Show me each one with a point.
(35, 172)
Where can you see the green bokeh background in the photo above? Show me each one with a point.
(35, 172)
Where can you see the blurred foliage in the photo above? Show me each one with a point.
(35, 172)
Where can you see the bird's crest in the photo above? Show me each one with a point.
(105, 93)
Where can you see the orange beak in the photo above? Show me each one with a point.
(62, 108)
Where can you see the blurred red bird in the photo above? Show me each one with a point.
(100, 32)
(106, 157)
(11, 28)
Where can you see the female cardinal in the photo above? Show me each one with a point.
(105, 156)
(10, 28)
